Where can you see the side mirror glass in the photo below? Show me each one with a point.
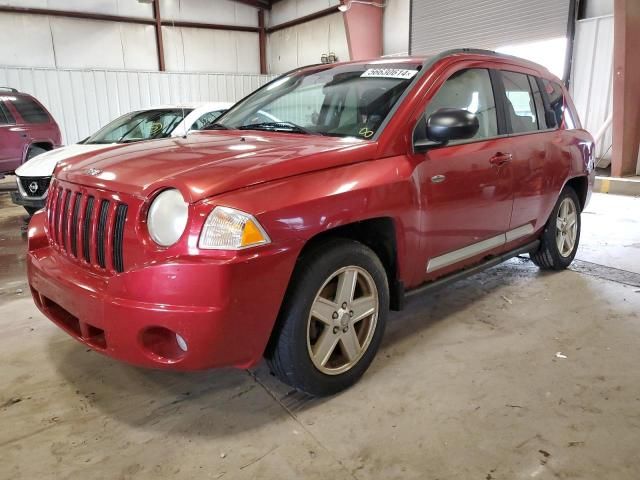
(449, 124)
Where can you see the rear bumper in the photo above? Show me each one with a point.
(26, 201)
(224, 310)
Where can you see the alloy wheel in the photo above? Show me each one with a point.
(342, 320)
(566, 227)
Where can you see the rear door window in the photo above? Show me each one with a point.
(520, 104)
(29, 110)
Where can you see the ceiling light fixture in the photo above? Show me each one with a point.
(346, 6)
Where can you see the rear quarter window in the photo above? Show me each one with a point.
(5, 115)
(30, 111)
(558, 105)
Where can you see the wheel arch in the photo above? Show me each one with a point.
(380, 235)
(44, 144)
(581, 186)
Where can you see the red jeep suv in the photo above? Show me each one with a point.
(310, 209)
(27, 129)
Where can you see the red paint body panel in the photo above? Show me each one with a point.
(225, 303)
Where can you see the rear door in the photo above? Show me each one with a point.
(540, 158)
(12, 139)
(466, 186)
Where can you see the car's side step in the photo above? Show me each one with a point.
(467, 272)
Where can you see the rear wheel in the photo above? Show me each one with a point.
(561, 235)
(332, 320)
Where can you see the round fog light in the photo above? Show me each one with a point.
(182, 343)
(163, 345)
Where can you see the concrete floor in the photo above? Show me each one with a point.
(467, 385)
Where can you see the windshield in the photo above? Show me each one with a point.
(343, 101)
(137, 126)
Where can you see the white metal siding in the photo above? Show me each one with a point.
(126, 8)
(82, 101)
(287, 10)
(58, 42)
(395, 28)
(437, 26)
(304, 44)
(592, 78)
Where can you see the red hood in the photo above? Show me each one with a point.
(210, 163)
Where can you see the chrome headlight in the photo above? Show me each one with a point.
(167, 217)
(230, 229)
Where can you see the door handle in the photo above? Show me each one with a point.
(500, 159)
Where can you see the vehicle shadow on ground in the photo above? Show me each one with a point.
(228, 401)
(424, 312)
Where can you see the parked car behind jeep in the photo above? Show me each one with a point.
(34, 176)
(320, 201)
(27, 129)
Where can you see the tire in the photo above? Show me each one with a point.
(549, 256)
(31, 210)
(34, 152)
(319, 273)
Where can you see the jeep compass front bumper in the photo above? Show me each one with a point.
(187, 313)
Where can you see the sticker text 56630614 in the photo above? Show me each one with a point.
(401, 73)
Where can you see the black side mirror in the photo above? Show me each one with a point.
(449, 124)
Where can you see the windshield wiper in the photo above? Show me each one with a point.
(216, 126)
(289, 127)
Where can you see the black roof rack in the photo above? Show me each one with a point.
(491, 53)
(14, 90)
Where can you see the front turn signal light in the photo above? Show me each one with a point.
(230, 229)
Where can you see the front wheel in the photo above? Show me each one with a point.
(332, 320)
(561, 235)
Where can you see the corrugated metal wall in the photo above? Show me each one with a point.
(437, 26)
(304, 44)
(52, 41)
(592, 78)
(84, 100)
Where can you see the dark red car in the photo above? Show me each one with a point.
(27, 129)
(319, 202)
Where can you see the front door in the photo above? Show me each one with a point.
(466, 186)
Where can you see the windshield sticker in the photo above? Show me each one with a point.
(402, 73)
(365, 132)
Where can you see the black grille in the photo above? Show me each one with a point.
(88, 227)
(86, 230)
(35, 186)
(74, 224)
(65, 217)
(102, 230)
(56, 219)
(118, 236)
